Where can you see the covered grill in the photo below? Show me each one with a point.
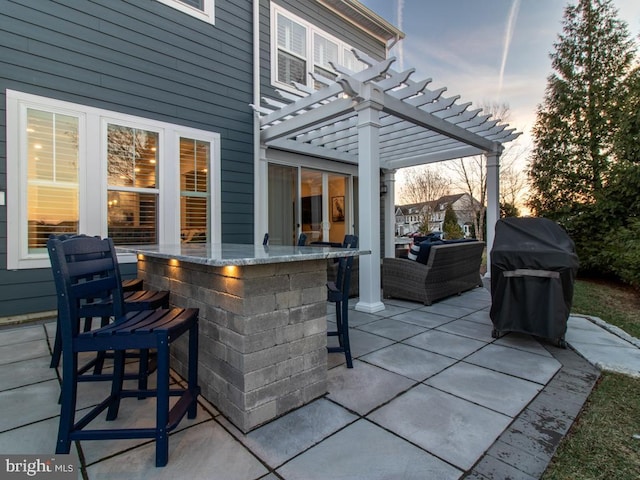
(533, 268)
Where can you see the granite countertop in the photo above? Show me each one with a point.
(229, 254)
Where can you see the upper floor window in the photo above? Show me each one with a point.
(299, 48)
(202, 9)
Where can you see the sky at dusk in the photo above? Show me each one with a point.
(486, 51)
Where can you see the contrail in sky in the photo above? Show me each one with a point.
(400, 48)
(513, 15)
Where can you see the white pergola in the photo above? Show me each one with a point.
(380, 119)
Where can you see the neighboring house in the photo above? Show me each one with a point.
(409, 218)
(133, 119)
(463, 205)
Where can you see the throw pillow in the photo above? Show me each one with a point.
(413, 252)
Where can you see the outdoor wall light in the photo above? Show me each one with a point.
(383, 189)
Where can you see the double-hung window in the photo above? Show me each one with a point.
(77, 169)
(299, 48)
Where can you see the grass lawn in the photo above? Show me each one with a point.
(602, 444)
(616, 304)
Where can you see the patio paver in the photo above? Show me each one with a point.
(487, 408)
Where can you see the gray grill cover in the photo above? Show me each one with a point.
(533, 268)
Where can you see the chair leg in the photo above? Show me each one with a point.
(100, 356)
(116, 384)
(339, 323)
(57, 342)
(68, 397)
(57, 347)
(344, 333)
(162, 404)
(193, 369)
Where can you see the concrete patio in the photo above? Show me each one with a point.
(431, 395)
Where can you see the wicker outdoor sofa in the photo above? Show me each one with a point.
(450, 270)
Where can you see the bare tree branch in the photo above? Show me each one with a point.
(423, 184)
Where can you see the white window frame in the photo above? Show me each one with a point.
(206, 15)
(92, 157)
(309, 58)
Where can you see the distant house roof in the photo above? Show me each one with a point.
(434, 205)
(410, 209)
(357, 13)
(445, 200)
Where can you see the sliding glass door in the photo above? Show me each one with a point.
(324, 200)
(283, 201)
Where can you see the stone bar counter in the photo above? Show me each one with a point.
(262, 346)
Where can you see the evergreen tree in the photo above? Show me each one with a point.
(578, 119)
(450, 225)
(508, 210)
(627, 133)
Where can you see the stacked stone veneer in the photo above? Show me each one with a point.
(262, 333)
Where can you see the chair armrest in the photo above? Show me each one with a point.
(402, 278)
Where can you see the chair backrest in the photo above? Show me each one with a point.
(350, 241)
(265, 240)
(302, 240)
(85, 270)
(345, 264)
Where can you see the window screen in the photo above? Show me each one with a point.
(132, 204)
(194, 190)
(52, 176)
(292, 51)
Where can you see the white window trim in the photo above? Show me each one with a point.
(92, 123)
(206, 15)
(309, 58)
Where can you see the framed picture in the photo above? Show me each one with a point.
(337, 209)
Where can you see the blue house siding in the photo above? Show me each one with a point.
(139, 57)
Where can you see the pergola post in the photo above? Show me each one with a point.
(389, 181)
(368, 110)
(493, 199)
(261, 196)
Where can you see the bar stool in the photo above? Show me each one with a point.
(338, 293)
(86, 269)
(135, 300)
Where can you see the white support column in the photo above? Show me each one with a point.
(390, 214)
(369, 198)
(493, 200)
(261, 195)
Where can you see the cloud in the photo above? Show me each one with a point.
(399, 15)
(508, 36)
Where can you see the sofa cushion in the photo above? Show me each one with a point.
(460, 240)
(425, 248)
